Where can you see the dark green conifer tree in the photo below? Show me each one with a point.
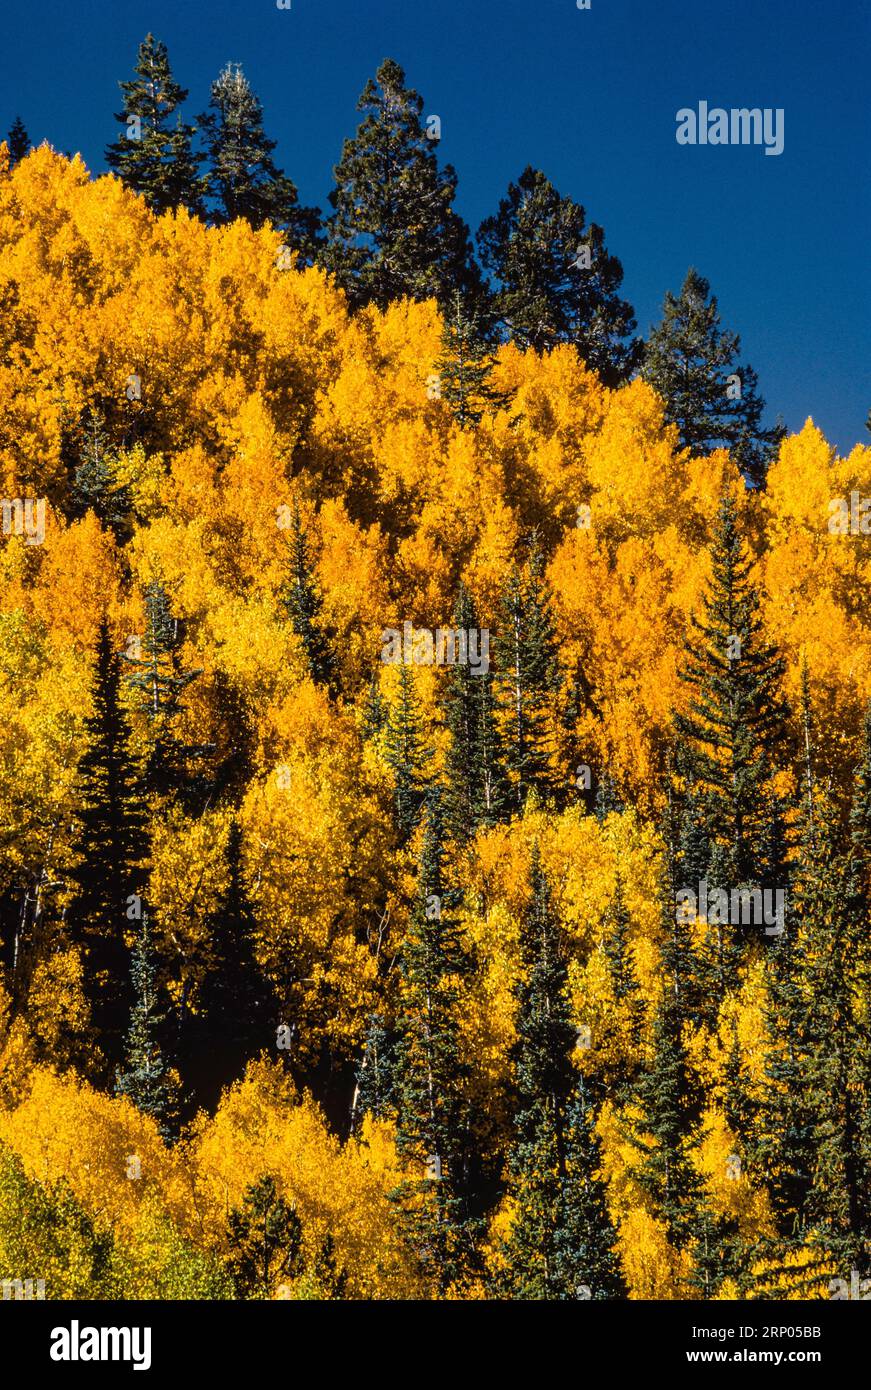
(476, 793)
(375, 1089)
(160, 681)
(154, 157)
(737, 717)
(406, 753)
(669, 1129)
(617, 948)
(146, 1079)
(529, 679)
(585, 1264)
(236, 1003)
(465, 365)
(94, 485)
(302, 602)
(433, 1120)
(374, 719)
(241, 178)
(836, 1071)
(18, 142)
(393, 233)
(265, 1240)
(561, 1243)
(692, 363)
(110, 846)
(556, 281)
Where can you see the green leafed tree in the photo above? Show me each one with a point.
(555, 280)
(155, 156)
(693, 364)
(45, 1235)
(393, 232)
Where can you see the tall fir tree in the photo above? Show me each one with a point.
(146, 1079)
(736, 720)
(110, 845)
(476, 791)
(18, 142)
(668, 1131)
(393, 233)
(585, 1263)
(235, 1001)
(529, 679)
(693, 365)
(628, 1024)
(406, 753)
(303, 603)
(375, 1079)
(556, 282)
(241, 178)
(560, 1245)
(433, 1118)
(465, 365)
(264, 1236)
(95, 487)
(836, 1072)
(155, 157)
(157, 676)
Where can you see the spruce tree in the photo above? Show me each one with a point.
(476, 791)
(561, 1241)
(782, 1141)
(375, 1088)
(556, 281)
(265, 1241)
(393, 233)
(406, 753)
(302, 602)
(544, 1082)
(617, 948)
(18, 142)
(241, 178)
(109, 842)
(160, 681)
(236, 1005)
(736, 718)
(94, 486)
(585, 1264)
(465, 365)
(146, 1079)
(154, 156)
(693, 365)
(432, 1133)
(669, 1130)
(836, 1074)
(374, 720)
(529, 679)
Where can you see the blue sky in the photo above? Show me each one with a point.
(588, 96)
